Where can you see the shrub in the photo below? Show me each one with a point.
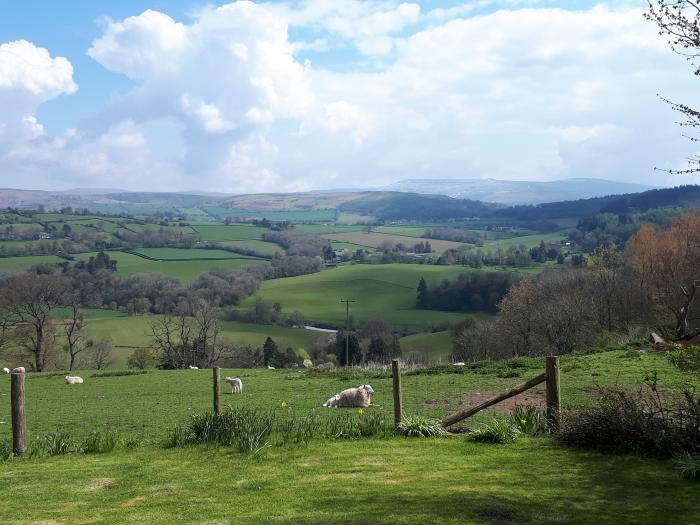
(642, 422)
(100, 442)
(688, 465)
(142, 358)
(5, 450)
(529, 420)
(686, 358)
(501, 431)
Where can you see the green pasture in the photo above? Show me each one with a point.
(408, 231)
(129, 264)
(530, 241)
(432, 346)
(372, 480)
(187, 253)
(280, 215)
(337, 245)
(233, 232)
(262, 247)
(320, 229)
(11, 265)
(387, 291)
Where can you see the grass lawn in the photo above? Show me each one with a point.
(387, 291)
(373, 480)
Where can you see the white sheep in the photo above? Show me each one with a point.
(236, 385)
(270, 367)
(18, 370)
(351, 397)
(74, 380)
(459, 364)
(193, 367)
(5, 370)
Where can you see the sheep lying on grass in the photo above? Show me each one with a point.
(193, 367)
(18, 370)
(74, 380)
(236, 385)
(6, 370)
(351, 397)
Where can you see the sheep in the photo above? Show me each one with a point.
(6, 370)
(74, 380)
(270, 367)
(193, 367)
(18, 370)
(459, 364)
(236, 385)
(351, 397)
(332, 401)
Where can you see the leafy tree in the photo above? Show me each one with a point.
(350, 355)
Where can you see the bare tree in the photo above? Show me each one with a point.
(28, 301)
(190, 338)
(75, 341)
(99, 354)
(679, 20)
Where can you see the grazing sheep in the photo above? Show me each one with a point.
(193, 367)
(74, 380)
(18, 370)
(236, 385)
(458, 364)
(332, 402)
(6, 370)
(270, 367)
(308, 363)
(351, 397)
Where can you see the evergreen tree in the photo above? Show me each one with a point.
(422, 294)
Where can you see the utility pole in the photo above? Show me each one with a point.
(347, 329)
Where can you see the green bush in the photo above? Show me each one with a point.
(688, 465)
(685, 358)
(416, 425)
(529, 420)
(500, 431)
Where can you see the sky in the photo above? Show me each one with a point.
(242, 97)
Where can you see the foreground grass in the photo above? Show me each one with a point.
(393, 480)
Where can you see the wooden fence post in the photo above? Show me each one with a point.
(396, 374)
(19, 422)
(553, 394)
(217, 391)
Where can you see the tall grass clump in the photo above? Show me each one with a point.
(688, 465)
(100, 442)
(529, 420)
(499, 431)
(54, 444)
(6, 450)
(416, 425)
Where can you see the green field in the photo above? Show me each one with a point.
(282, 215)
(428, 345)
(320, 229)
(408, 231)
(530, 241)
(165, 254)
(261, 247)
(367, 480)
(129, 264)
(11, 265)
(387, 291)
(233, 232)
(128, 332)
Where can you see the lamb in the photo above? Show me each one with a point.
(18, 370)
(193, 367)
(351, 397)
(74, 380)
(6, 370)
(236, 385)
(332, 401)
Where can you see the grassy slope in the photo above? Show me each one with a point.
(391, 480)
(436, 345)
(387, 291)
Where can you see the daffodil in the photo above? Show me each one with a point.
(283, 404)
(360, 411)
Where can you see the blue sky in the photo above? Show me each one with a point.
(288, 96)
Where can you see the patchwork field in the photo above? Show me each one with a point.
(375, 240)
(387, 291)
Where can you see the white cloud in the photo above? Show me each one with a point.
(527, 93)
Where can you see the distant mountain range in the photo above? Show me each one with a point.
(517, 192)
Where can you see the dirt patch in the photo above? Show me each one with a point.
(100, 484)
(166, 491)
(534, 397)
